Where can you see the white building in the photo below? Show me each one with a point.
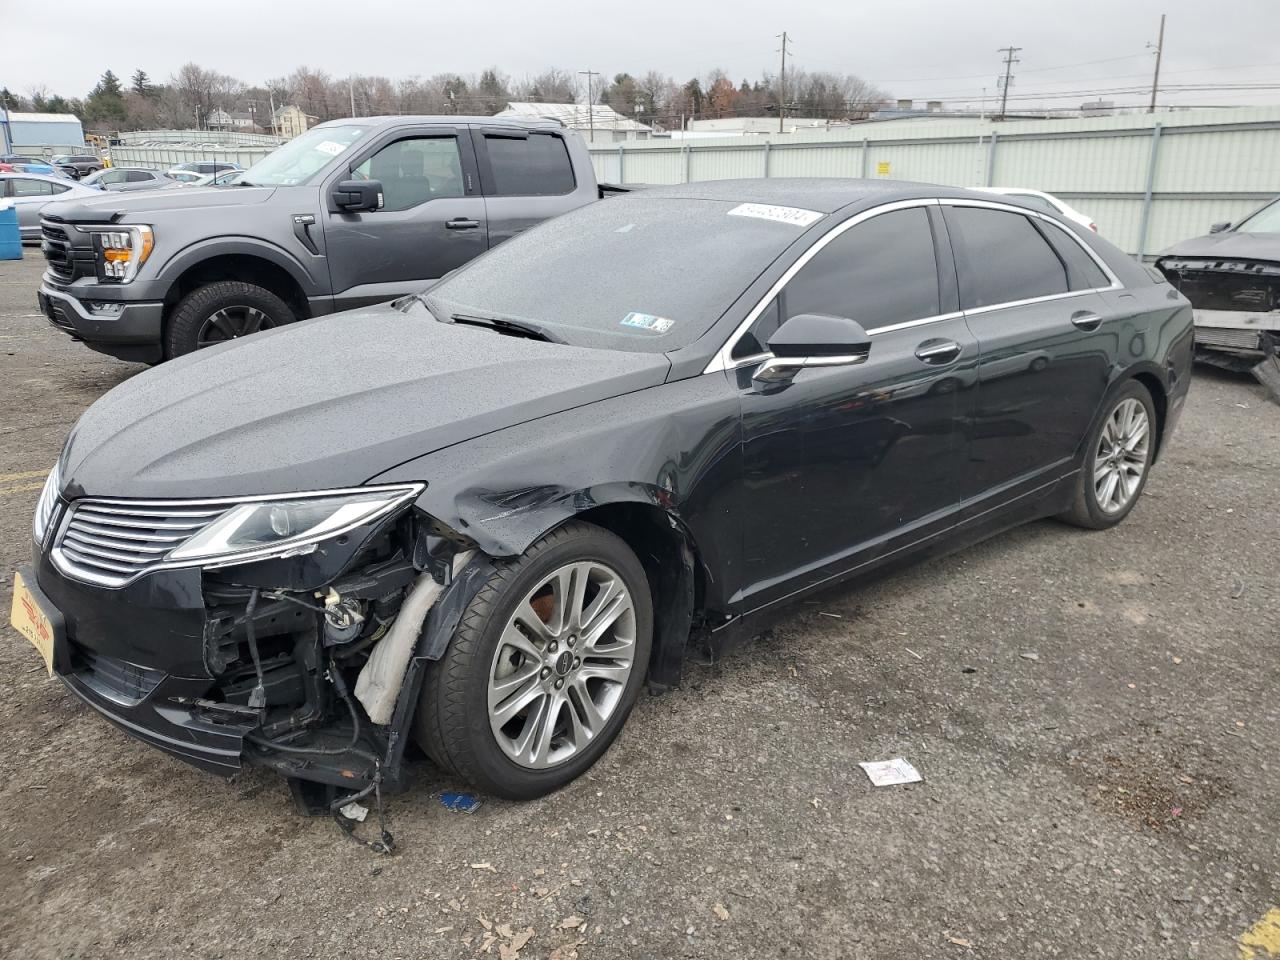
(31, 130)
(597, 124)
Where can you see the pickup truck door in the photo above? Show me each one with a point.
(432, 219)
(529, 176)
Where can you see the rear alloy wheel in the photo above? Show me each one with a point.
(220, 312)
(545, 666)
(1118, 459)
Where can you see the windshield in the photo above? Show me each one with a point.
(1266, 220)
(303, 157)
(645, 274)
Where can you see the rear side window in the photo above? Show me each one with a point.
(1083, 273)
(137, 176)
(1004, 258)
(881, 272)
(533, 166)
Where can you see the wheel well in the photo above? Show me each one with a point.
(1161, 401)
(249, 269)
(675, 572)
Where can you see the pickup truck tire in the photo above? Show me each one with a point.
(222, 311)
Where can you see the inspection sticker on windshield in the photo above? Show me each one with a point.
(330, 147)
(795, 216)
(647, 321)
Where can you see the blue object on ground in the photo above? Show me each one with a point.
(10, 233)
(463, 802)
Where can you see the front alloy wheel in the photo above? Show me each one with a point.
(545, 665)
(562, 664)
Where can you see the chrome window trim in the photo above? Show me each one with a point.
(723, 359)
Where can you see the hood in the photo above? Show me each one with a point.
(327, 403)
(1228, 245)
(114, 206)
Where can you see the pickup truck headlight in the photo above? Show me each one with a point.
(264, 529)
(120, 251)
(45, 505)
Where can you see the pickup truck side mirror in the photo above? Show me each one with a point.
(1219, 227)
(357, 195)
(812, 340)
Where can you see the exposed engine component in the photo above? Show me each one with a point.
(343, 618)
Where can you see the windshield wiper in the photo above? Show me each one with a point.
(512, 328)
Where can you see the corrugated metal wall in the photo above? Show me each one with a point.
(166, 157)
(1200, 166)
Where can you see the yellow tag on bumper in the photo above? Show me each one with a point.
(32, 622)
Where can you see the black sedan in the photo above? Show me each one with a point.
(485, 515)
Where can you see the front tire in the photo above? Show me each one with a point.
(222, 311)
(546, 664)
(1117, 460)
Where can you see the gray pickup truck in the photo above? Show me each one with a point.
(351, 212)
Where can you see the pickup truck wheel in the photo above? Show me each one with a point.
(545, 665)
(219, 312)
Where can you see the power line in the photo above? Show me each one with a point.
(1009, 61)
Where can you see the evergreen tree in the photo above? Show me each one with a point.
(141, 84)
(105, 103)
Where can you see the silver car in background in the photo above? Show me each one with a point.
(29, 192)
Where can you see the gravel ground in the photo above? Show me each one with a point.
(1095, 717)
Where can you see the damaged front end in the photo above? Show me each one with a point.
(287, 633)
(1236, 303)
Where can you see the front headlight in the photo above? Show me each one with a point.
(120, 251)
(288, 526)
(46, 504)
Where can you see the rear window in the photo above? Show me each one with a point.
(533, 166)
(638, 274)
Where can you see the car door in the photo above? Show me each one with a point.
(527, 177)
(29, 195)
(431, 221)
(845, 464)
(1031, 294)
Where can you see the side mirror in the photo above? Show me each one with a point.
(1219, 227)
(357, 195)
(812, 340)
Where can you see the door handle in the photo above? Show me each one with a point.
(461, 223)
(938, 352)
(1086, 320)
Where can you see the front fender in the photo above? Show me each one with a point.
(312, 285)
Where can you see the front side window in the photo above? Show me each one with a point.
(881, 272)
(415, 170)
(1005, 259)
(534, 166)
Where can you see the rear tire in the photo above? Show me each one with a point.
(220, 312)
(495, 665)
(1117, 460)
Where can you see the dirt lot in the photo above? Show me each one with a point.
(1095, 716)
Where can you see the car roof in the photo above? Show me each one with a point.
(36, 176)
(539, 123)
(824, 195)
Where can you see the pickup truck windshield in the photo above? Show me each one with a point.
(1266, 220)
(628, 273)
(302, 157)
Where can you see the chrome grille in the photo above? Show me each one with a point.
(110, 542)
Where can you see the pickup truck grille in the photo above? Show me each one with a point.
(110, 542)
(56, 246)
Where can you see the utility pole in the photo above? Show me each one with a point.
(591, 110)
(1155, 81)
(782, 83)
(351, 89)
(1009, 61)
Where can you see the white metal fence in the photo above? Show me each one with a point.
(166, 157)
(1147, 180)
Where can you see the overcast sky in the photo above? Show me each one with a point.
(916, 48)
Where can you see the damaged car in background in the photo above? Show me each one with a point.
(1232, 278)
(482, 517)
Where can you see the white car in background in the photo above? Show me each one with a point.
(1044, 201)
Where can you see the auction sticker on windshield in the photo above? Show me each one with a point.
(32, 622)
(647, 321)
(330, 147)
(796, 216)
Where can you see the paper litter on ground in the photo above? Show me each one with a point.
(886, 773)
